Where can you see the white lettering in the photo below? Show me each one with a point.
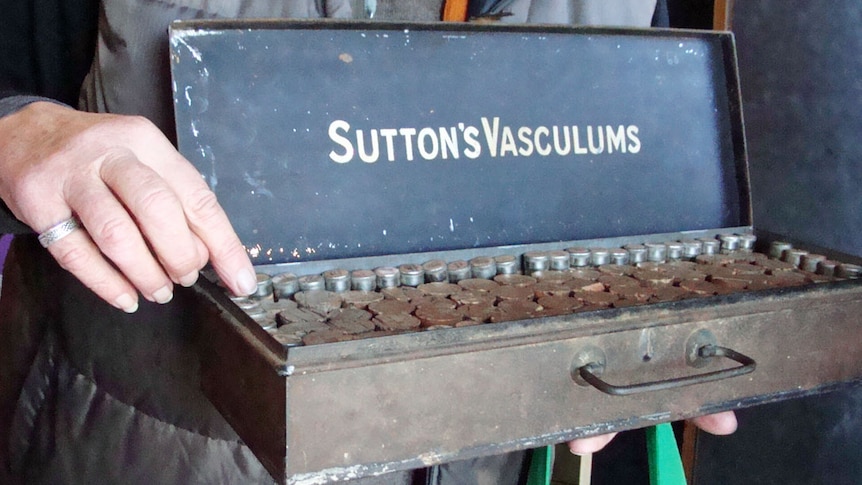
(471, 134)
(334, 127)
(491, 134)
(508, 143)
(616, 139)
(360, 147)
(445, 142)
(632, 134)
(408, 133)
(576, 134)
(526, 142)
(421, 143)
(595, 150)
(561, 150)
(542, 148)
(449, 142)
(388, 134)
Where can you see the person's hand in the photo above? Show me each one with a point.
(721, 424)
(149, 219)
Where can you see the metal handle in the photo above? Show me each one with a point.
(588, 373)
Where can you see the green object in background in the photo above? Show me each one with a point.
(541, 465)
(665, 464)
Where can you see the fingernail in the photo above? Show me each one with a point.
(246, 280)
(189, 279)
(127, 303)
(163, 294)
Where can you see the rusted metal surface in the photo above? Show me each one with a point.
(242, 373)
(430, 397)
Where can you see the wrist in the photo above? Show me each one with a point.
(13, 104)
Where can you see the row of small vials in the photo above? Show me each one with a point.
(284, 285)
(340, 304)
(535, 263)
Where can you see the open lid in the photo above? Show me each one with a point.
(329, 140)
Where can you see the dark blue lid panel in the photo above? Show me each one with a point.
(369, 139)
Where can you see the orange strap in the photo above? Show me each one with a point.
(455, 11)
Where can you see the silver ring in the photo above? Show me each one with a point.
(59, 231)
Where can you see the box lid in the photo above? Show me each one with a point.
(329, 140)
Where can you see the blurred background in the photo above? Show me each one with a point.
(801, 79)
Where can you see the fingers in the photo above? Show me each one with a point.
(157, 214)
(203, 215)
(78, 254)
(227, 254)
(150, 219)
(137, 222)
(720, 424)
(723, 423)
(209, 223)
(42, 206)
(118, 235)
(585, 446)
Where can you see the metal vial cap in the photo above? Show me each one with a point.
(483, 267)
(506, 264)
(656, 252)
(845, 270)
(559, 260)
(729, 242)
(746, 242)
(412, 274)
(264, 286)
(363, 280)
(827, 267)
(637, 253)
(536, 261)
(458, 270)
(312, 282)
(600, 256)
(579, 257)
(691, 248)
(287, 339)
(619, 256)
(710, 246)
(435, 271)
(675, 251)
(794, 256)
(255, 311)
(265, 320)
(247, 304)
(387, 277)
(337, 280)
(777, 248)
(284, 285)
(810, 262)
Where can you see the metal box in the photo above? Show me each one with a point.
(362, 145)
